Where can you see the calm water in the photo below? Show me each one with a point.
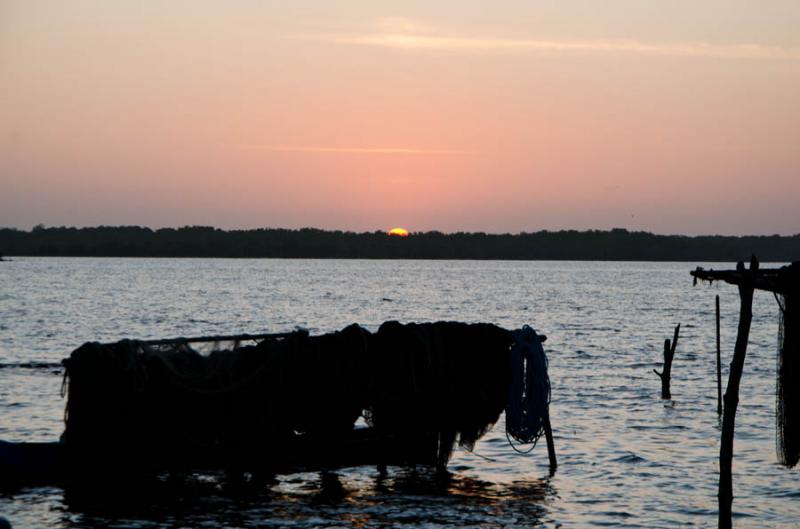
(626, 457)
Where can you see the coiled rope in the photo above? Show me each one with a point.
(529, 393)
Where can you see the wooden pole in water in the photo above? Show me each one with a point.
(551, 447)
(719, 372)
(746, 288)
(669, 354)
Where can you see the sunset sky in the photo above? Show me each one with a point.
(674, 117)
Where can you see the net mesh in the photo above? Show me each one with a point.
(787, 387)
(431, 385)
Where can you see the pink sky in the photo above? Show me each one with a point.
(672, 117)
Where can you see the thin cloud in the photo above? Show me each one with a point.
(351, 150)
(402, 34)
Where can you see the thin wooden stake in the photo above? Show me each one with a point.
(746, 288)
(719, 371)
(551, 447)
(669, 354)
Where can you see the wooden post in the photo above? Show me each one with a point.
(551, 447)
(719, 372)
(746, 288)
(669, 354)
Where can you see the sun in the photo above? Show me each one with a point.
(398, 232)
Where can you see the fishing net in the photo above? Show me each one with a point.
(442, 383)
(249, 403)
(787, 406)
(147, 405)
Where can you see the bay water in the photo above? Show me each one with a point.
(627, 458)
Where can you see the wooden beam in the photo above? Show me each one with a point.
(746, 283)
(719, 370)
(225, 338)
(25, 464)
(767, 279)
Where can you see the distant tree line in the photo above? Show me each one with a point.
(201, 241)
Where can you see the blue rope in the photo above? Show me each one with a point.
(529, 393)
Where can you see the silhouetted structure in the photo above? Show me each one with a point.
(289, 402)
(784, 283)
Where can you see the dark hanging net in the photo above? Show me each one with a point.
(440, 384)
(143, 405)
(426, 386)
(787, 406)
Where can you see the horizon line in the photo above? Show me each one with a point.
(412, 232)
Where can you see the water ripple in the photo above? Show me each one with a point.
(627, 458)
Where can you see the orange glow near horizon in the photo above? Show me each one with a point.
(523, 117)
(398, 232)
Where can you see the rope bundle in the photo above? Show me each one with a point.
(529, 392)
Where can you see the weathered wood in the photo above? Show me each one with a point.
(746, 283)
(24, 464)
(767, 279)
(238, 338)
(226, 338)
(551, 447)
(669, 354)
(719, 369)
